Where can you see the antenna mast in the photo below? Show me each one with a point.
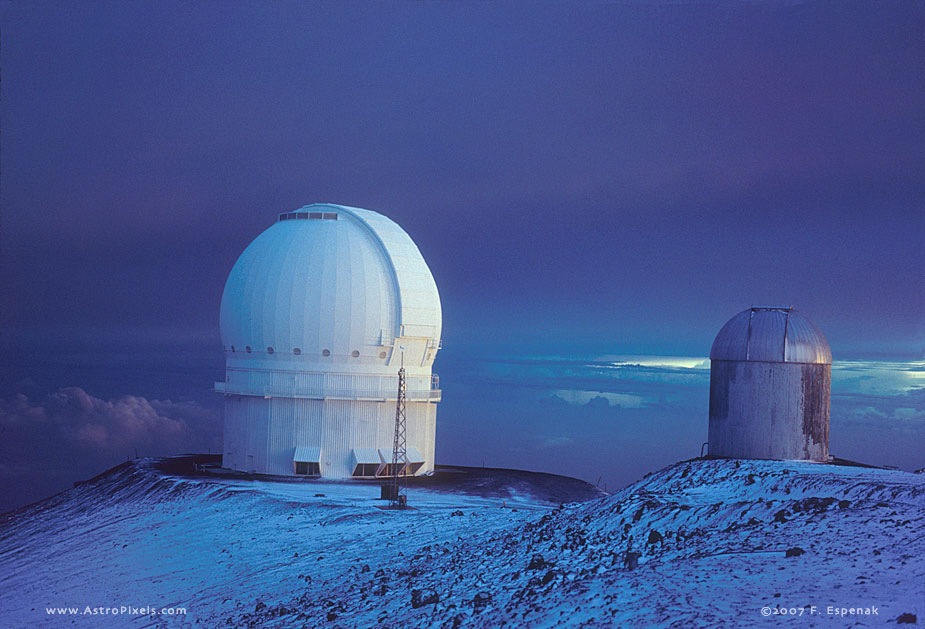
(398, 496)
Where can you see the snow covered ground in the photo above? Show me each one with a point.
(137, 537)
(712, 537)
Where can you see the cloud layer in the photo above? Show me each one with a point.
(70, 434)
(615, 418)
(606, 419)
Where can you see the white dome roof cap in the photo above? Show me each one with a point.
(331, 283)
(771, 334)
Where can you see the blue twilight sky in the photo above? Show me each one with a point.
(584, 179)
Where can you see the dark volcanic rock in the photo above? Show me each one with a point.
(631, 560)
(550, 576)
(422, 597)
(481, 601)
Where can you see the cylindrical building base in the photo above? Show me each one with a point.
(765, 410)
(331, 438)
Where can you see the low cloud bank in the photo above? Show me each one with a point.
(612, 419)
(69, 434)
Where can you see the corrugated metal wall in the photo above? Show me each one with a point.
(264, 433)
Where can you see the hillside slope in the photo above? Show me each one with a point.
(708, 540)
(718, 541)
(145, 535)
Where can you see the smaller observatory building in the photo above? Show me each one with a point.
(318, 314)
(770, 383)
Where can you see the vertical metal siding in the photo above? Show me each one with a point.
(764, 410)
(272, 429)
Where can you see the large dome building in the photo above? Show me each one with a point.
(770, 382)
(317, 316)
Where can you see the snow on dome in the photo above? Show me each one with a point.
(771, 335)
(328, 282)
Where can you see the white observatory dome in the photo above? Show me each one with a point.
(774, 335)
(318, 315)
(329, 288)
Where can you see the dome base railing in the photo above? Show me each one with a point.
(327, 386)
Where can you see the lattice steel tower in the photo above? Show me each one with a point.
(398, 495)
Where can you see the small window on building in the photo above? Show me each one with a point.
(315, 216)
(248, 348)
(303, 215)
(355, 353)
(366, 470)
(330, 216)
(284, 217)
(232, 348)
(325, 352)
(387, 469)
(269, 350)
(307, 469)
(297, 351)
(382, 354)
